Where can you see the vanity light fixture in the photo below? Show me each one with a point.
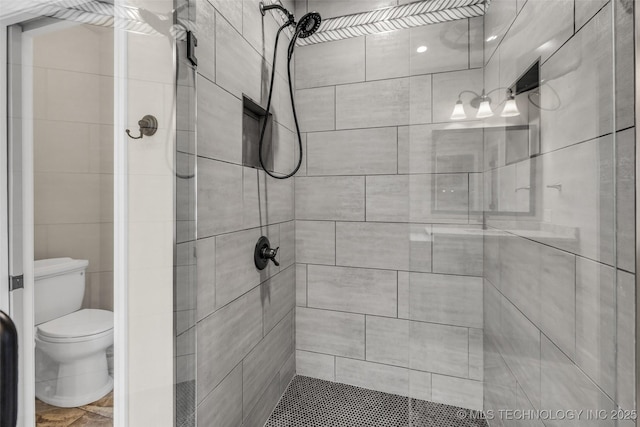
(484, 110)
(482, 103)
(510, 107)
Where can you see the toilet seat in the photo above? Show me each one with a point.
(82, 325)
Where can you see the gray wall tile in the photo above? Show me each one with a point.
(238, 64)
(373, 104)
(447, 47)
(206, 277)
(265, 361)
(388, 341)
(219, 197)
(267, 402)
(420, 385)
(278, 296)
(316, 109)
(354, 290)
(236, 272)
(330, 198)
(332, 63)
(353, 152)
(457, 392)
(457, 250)
(539, 30)
(440, 149)
(439, 348)
(596, 322)
(225, 338)
(420, 99)
(389, 379)
(387, 55)
(476, 356)
(223, 406)
(316, 242)
(626, 330)
(322, 331)
(315, 365)
(220, 135)
(519, 343)
(497, 21)
(409, 198)
(584, 114)
(301, 285)
(287, 244)
(565, 386)
(451, 300)
(402, 243)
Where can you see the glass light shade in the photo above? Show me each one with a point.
(458, 112)
(484, 110)
(510, 109)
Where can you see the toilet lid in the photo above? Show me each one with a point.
(82, 323)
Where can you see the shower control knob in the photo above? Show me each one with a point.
(263, 253)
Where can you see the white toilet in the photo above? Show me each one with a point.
(71, 344)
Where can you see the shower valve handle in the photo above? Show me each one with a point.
(263, 253)
(268, 253)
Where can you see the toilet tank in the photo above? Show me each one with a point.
(59, 287)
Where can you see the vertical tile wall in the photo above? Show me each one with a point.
(558, 303)
(388, 212)
(244, 317)
(73, 153)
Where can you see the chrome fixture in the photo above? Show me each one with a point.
(148, 127)
(263, 253)
(482, 103)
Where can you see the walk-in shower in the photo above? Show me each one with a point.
(418, 267)
(308, 24)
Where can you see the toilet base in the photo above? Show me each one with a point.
(72, 402)
(72, 382)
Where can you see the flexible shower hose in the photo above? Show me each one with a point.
(293, 104)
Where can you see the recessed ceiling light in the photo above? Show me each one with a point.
(422, 49)
(492, 38)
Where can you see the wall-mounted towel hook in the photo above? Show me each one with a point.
(148, 127)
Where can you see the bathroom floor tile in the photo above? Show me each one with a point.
(311, 402)
(98, 413)
(103, 407)
(93, 420)
(60, 417)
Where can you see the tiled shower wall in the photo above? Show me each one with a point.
(244, 331)
(388, 210)
(559, 316)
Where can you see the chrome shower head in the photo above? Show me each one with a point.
(308, 24)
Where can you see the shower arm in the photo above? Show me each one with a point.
(264, 8)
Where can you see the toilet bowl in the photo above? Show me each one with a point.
(71, 343)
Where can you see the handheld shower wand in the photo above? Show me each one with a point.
(308, 25)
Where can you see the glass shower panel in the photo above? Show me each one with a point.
(441, 159)
(558, 213)
(185, 291)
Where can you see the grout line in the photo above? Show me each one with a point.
(331, 310)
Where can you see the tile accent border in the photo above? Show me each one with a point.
(395, 18)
